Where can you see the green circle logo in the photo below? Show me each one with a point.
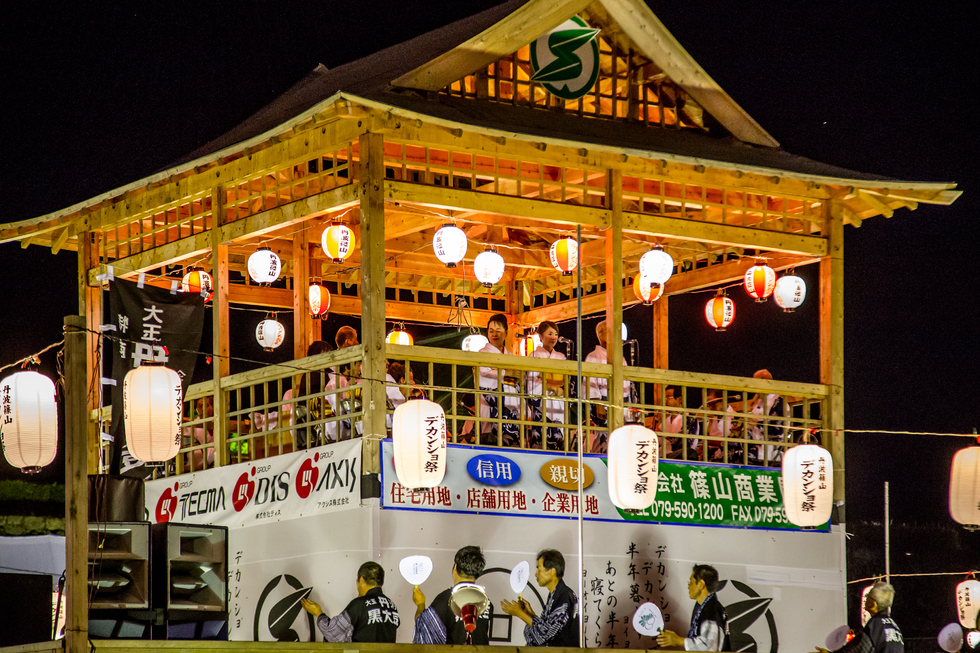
(566, 59)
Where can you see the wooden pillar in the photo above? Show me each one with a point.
(76, 484)
(90, 309)
(832, 341)
(220, 330)
(614, 298)
(372, 207)
(661, 329)
(302, 320)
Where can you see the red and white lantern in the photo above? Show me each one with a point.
(808, 485)
(319, 298)
(646, 291)
(968, 602)
(270, 333)
(656, 266)
(198, 281)
(264, 266)
(28, 421)
(399, 336)
(760, 281)
(152, 412)
(449, 245)
(528, 344)
(488, 267)
(564, 255)
(337, 242)
(964, 488)
(790, 292)
(633, 461)
(719, 312)
(418, 433)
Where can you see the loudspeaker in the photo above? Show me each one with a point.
(26, 609)
(119, 566)
(115, 498)
(190, 567)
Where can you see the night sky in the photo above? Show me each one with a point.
(94, 99)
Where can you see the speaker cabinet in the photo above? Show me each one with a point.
(119, 566)
(190, 570)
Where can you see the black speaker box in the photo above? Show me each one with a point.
(190, 569)
(119, 566)
(26, 609)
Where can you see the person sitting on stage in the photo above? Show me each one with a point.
(371, 617)
(437, 624)
(500, 342)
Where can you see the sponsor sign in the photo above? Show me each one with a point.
(542, 484)
(566, 59)
(303, 483)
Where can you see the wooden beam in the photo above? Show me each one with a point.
(876, 203)
(90, 308)
(614, 298)
(832, 347)
(76, 483)
(220, 336)
(505, 37)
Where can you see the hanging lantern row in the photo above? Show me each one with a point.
(337, 242)
(964, 488)
(418, 433)
(633, 460)
(449, 245)
(759, 282)
(199, 282)
(808, 485)
(319, 298)
(152, 412)
(488, 266)
(564, 255)
(399, 336)
(264, 266)
(270, 333)
(29, 429)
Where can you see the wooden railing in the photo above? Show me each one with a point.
(316, 400)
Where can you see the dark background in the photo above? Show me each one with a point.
(94, 97)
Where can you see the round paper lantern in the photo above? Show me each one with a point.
(28, 421)
(264, 266)
(449, 245)
(719, 311)
(488, 267)
(399, 336)
(623, 330)
(646, 291)
(790, 292)
(152, 412)
(760, 281)
(418, 433)
(808, 485)
(865, 615)
(656, 266)
(319, 298)
(564, 255)
(973, 638)
(198, 281)
(475, 342)
(951, 638)
(337, 242)
(270, 333)
(964, 488)
(527, 344)
(968, 602)
(632, 459)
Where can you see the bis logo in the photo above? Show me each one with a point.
(167, 505)
(566, 59)
(747, 631)
(279, 615)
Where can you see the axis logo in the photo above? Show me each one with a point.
(746, 631)
(167, 505)
(279, 615)
(566, 59)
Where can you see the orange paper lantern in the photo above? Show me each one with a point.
(719, 311)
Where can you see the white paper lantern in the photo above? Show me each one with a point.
(623, 330)
(337, 242)
(152, 412)
(656, 266)
(270, 333)
(973, 638)
(488, 267)
(264, 266)
(449, 245)
(198, 281)
(633, 462)
(808, 485)
(319, 298)
(865, 615)
(968, 602)
(759, 282)
(564, 255)
(475, 342)
(418, 433)
(964, 488)
(790, 292)
(28, 421)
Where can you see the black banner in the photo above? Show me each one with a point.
(154, 325)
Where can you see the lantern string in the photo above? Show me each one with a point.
(893, 575)
(28, 359)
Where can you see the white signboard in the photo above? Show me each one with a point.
(299, 484)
